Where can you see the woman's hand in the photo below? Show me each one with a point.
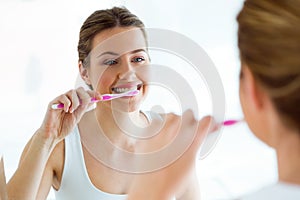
(59, 123)
(174, 179)
(33, 177)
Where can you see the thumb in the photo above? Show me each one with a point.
(205, 126)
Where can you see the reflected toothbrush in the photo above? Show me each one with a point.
(108, 97)
(105, 97)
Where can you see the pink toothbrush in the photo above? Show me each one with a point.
(230, 122)
(105, 97)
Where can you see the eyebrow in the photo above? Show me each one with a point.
(116, 54)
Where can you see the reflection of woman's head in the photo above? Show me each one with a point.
(102, 20)
(112, 47)
(269, 43)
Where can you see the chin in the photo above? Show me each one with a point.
(131, 104)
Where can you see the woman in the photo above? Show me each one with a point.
(55, 155)
(269, 44)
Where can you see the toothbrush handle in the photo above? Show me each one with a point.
(108, 97)
(61, 105)
(105, 97)
(230, 122)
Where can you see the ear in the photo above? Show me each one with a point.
(253, 91)
(84, 73)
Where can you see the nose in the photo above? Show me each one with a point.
(127, 71)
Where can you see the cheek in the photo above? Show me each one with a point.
(254, 121)
(102, 81)
(241, 95)
(145, 90)
(244, 104)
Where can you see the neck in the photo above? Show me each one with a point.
(288, 156)
(116, 125)
(106, 115)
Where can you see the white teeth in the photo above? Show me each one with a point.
(122, 90)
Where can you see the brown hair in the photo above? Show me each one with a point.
(269, 43)
(101, 20)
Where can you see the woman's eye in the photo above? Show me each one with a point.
(110, 62)
(138, 59)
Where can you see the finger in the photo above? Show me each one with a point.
(206, 125)
(74, 100)
(94, 94)
(85, 100)
(84, 96)
(62, 99)
(195, 130)
(95, 97)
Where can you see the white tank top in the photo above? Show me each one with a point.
(75, 183)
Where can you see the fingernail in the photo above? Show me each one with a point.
(99, 96)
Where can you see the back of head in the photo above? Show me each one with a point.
(269, 43)
(102, 20)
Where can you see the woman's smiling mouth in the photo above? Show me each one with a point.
(126, 87)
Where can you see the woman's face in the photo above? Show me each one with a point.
(117, 55)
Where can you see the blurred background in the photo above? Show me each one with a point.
(39, 62)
